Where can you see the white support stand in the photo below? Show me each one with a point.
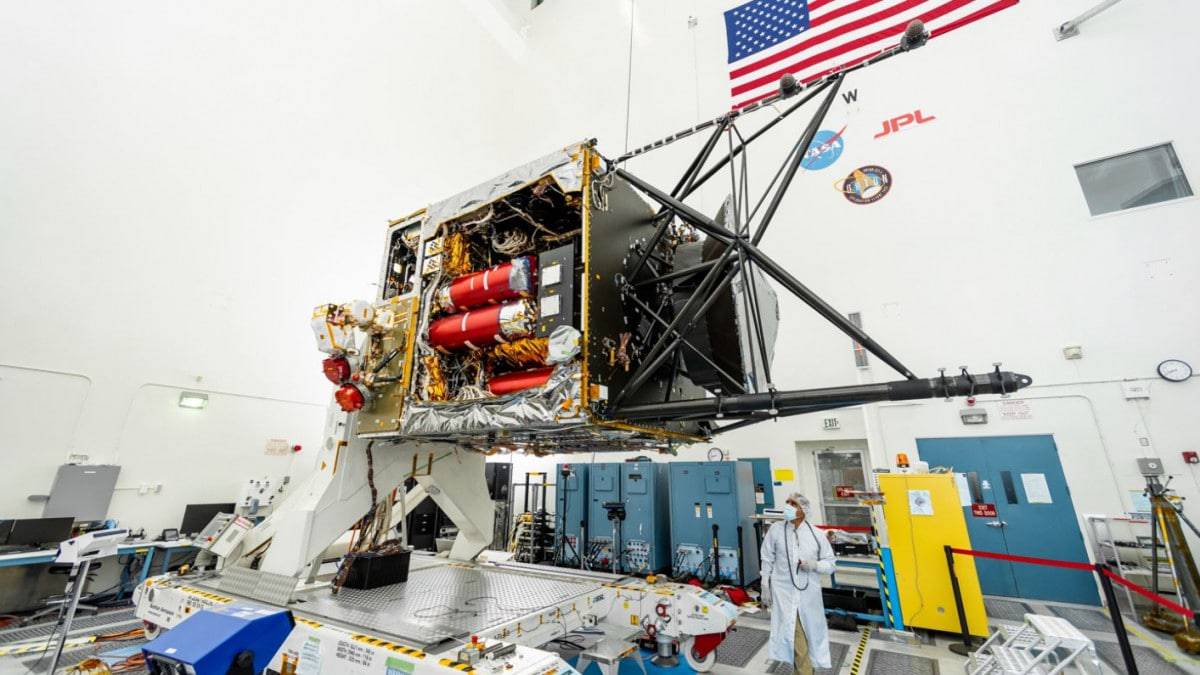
(457, 485)
(337, 495)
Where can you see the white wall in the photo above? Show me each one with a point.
(985, 249)
(180, 185)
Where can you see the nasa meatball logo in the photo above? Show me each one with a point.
(866, 184)
(824, 150)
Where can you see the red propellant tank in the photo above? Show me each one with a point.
(519, 381)
(508, 281)
(482, 327)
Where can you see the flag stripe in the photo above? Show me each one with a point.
(829, 18)
(843, 31)
(829, 35)
(891, 31)
(970, 18)
(853, 62)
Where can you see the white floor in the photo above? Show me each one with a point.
(1147, 645)
(1157, 654)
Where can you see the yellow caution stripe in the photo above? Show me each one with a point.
(43, 645)
(390, 646)
(861, 650)
(884, 583)
(451, 663)
(206, 595)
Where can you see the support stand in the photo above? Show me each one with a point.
(1114, 611)
(968, 643)
(75, 583)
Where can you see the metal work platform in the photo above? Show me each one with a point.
(445, 600)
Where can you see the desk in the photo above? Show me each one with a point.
(150, 548)
(25, 580)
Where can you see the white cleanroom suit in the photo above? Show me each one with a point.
(794, 592)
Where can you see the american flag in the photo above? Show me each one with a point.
(812, 38)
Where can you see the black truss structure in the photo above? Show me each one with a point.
(652, 288)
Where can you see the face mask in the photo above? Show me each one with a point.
(790, 512)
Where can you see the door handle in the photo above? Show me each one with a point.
(996, 523)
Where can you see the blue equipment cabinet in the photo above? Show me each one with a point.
(708, 494)
(646, 533)
(604, 485)
(215, 641)
(571, 513)
(764, 492)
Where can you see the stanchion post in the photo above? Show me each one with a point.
(967, 646)
(1114, 611)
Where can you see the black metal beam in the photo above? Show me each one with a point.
(755, 419)
(793, 285)
(684, 342)
(688, 214)
(801, 150)
(996, 382)
(754, 136)
(682, 188)
(696, 269)
(660, 350)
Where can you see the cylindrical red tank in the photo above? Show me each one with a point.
(519, 381)
(482, 327)
(507, 281)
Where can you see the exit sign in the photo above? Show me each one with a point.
(982, 510)
(831, 423)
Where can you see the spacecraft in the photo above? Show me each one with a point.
(569, 305)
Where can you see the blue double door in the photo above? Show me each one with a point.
(1022, 478)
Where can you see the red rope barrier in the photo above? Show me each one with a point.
(1026, 559)
(1178, 609)
(1066, 564)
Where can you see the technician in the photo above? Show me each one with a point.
(794, 556)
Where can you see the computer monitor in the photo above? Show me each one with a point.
(196, 516)
(5, 528)
(40, 531)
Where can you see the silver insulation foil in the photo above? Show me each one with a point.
(533, 408)
(565, 165)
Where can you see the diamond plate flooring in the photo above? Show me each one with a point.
(837, 654)
(1083, 618)
(1148, 661)
(886, 662)
(1007, 610)
(447, 601)
(742, 645)
(117, 621)
(81, 624)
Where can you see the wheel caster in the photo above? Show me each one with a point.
(700, 665)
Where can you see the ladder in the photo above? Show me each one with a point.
(1031, 648)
